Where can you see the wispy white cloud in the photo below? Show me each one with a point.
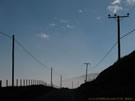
(65, 24)
(98, 17)
(69, 26)
(43, 35)
(80, 11)
(120, 5)
(114, 8)
(130, 2)
(116, 2)
(52, 24)
(63, 21)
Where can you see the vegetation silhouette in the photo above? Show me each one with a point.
(116, 81)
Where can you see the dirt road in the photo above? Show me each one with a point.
(60, 95)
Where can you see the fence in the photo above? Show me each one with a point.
(24, 82)
(0, 83)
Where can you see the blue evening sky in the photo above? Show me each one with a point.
(62, 34)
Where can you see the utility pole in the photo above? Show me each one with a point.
(72, 84)
(86, 71)
(78, 84)
(51, 76)
(118, 25)
(13, 38)
(61, 81)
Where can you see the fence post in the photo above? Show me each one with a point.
(37, 82)
(20, 82)
(23, 82)
(6, 83)
(0, 83)
(16, 82)
(26, 82)
(29, 82)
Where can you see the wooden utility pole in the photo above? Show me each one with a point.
(0, 83)
(118, 26)
(61, 81)
(72, 84)
(13, 60)
(78, 84)
(86, 71)
(51, 76)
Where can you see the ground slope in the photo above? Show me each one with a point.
(117, 80)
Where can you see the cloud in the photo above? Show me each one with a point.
(80, 11)
(63, 21)
(43, 35)
(130, 2)
(52, 24)
(114, 8)
(69, 26)
(120, 5)
(116, 2)
(98, 18)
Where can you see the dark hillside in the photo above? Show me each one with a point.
(26, 93)
(115, 81)
(120, 74)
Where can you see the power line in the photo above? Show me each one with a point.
(31, 54)
(25, 50)
(55, 71)
(6, 35)
(35, 57)
(104, 56)
(127, 34)
(111, 49)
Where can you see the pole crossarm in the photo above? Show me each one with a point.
(116, 16)
(118, 26)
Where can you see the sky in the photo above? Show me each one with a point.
(62, 34)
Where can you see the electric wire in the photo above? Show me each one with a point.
(6, 35)
(111, 50)
(98, 63)
(29, 53)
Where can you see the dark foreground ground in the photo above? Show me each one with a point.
(44, 93)
(38, 93)
(60, 95)
(23, 93)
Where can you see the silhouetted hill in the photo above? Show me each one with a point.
(124, 73)
(25, 93)
(116, 81)
(78, 79)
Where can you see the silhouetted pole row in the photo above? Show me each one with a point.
(118, 25)
(86, 71)
(13, 60)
